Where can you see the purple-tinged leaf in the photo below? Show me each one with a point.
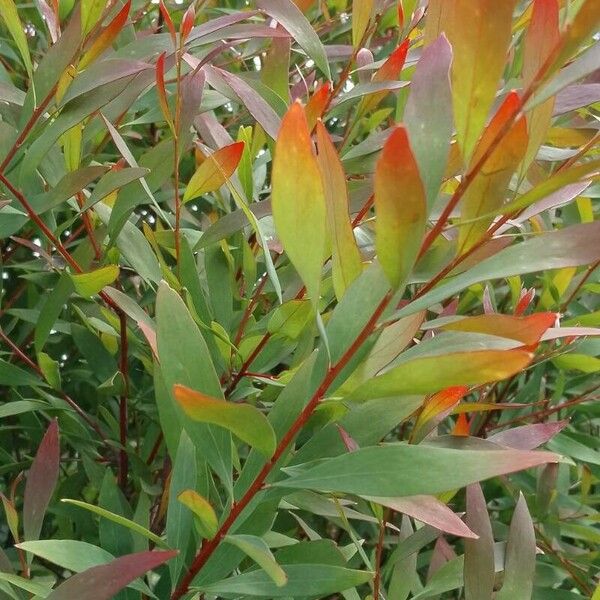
(479, 554)
(429, 510)
(104, 581)
(428, 114)
(519, 561)
(41, 481)
(528, 437)
(576, 96)
(217, 24)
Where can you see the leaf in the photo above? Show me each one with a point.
(162, 92)
(91, 11)
(106, 37)
(428, 115)
(10, 16)
(435, 409)
(479, 572)
(317, 105)
(41, 481)
(487, 192)
(26, 584)
(569, 247)
(90, 284)
(104, 581)
(578, 362)
(244, 420)
(528, 330)
(432, 373)
(298, 200)
(257, 549)
(207, 518)
(214, 171)
(429, 510)
(346, 261)
(290, 318)
(479, 43)
(118, 519)
(362, 12)
(528, 437)
(400, 205)
(11, 375)
(303, 580)
(410, 470)
(50, 369)
(519, 561)
(74, 556)
(299, 28)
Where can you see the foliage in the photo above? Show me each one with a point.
(292, 295)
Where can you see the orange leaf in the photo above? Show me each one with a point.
(214, 171)
(436, 407)
(187, 23)
(107, 37)
(298, 199)
(462, 426)
(318, 104)
(168, 21)
(162, 92)
(400, 206)
(528, 330)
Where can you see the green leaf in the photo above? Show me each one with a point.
(91, 11)
(578, 362)
(303, 580)
(26, 584)
(10, 16)
(119, 520)
(409, 470)
(12, 375)
(290, 318)
(519, 562)
(244, 420)
(89, 284)
(257, 549)
(208, 522)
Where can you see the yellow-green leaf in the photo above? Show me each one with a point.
(298, 199)
(346, 262)
(10, 16)
(214, 171)
(88, 284)
(208, 523)
(244, 420)
(256, 548)
(401, 208)
(91, 11)
(362, 12)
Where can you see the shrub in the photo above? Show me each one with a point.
(293, 293)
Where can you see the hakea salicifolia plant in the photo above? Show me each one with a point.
(312, 268)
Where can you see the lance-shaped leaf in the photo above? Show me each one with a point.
(479, 573)
(89, 284)
(41, 480)
(411, 470)
(428, 114)
(244, 420)
(389, 71)
(168, 21)
(519, 561)
(208, 523)
(161, 91)
(317, 104)
(10, 16)
(488, 190)
(187, 23)
(106, 37)
(91, 11)
(429, 510)
(401, 208)
(214, 171)
(298, 199)
(479, 33)
(105, 581)
(362, 12)
(435, 409)
(540, 41)
(528, 330)
(528, 437)
(257, 549)
(432, 373)
(346, 261)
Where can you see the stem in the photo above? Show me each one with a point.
(124, 368)
(211, 545)
(176, 151)
(378, 556)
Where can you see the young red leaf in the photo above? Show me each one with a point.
(317, 105)
(168, 21)
(216, 169)
(162, 92)
(298, 199)
(401, 208)
(435, 408)
(105, 581)
(41, 481)
(462, 427)
(244, 420)
(106, 37)
(187, 23)
(346, 260)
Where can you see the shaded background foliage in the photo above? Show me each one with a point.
(283, 282)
